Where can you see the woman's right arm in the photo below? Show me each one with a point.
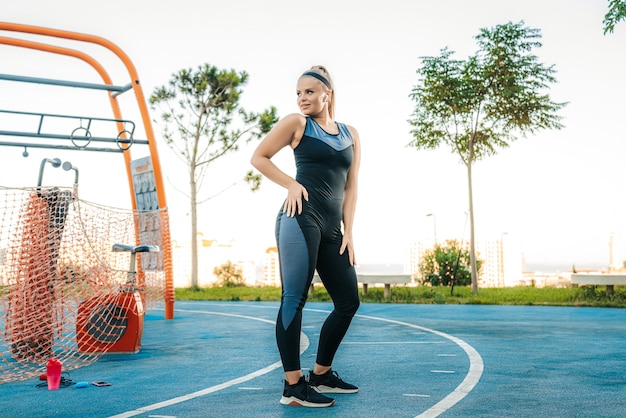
(287, 132)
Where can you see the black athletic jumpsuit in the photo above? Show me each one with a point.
(312, 240)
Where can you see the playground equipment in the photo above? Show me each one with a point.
(76, 277)
(115, 322)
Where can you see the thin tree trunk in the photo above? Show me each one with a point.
(473, 268)
(194, 230)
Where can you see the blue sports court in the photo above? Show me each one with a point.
(219, 359)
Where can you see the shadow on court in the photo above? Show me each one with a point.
(219, 359)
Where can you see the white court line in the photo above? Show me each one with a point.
(390, 342)
(469, 382)
(304, 344)
(471, 379)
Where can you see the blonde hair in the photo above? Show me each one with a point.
(321, 71)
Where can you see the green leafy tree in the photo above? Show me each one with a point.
(229, 275)
(478, 105)
(447, 265)
(202, 121)
(615, 14)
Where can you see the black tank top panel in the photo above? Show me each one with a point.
(322, 164)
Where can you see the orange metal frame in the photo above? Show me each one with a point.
(141, 101)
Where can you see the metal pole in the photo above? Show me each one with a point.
(434, 225)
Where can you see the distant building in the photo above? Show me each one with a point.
(211, 254)
(539, 279)
(271, 268)
(413, 256)
(614, 264)
(501, 261)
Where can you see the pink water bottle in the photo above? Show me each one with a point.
(53, 373)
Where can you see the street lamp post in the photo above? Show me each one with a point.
(434, 225)
(502, 267)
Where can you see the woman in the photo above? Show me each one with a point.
(319, 200)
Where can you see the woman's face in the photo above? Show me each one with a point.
(312, 96)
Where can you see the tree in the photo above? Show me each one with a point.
(478, 105)
(447, 265)
(229, 275)
(616, 13)
(198, 109)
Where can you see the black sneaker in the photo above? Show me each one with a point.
(330, 382)
(302, 394)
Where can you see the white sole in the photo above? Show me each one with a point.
(293, 401)
(328, 389)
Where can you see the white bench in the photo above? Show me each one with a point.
(367, 279)
(600, 279)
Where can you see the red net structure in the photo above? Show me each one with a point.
(64, 291)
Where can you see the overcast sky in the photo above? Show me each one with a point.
(558, 194)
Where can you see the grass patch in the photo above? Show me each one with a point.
(593, 296)
(237, 293)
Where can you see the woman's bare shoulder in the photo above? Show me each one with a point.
(293, 125)
(352, 131)
(294, 119)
